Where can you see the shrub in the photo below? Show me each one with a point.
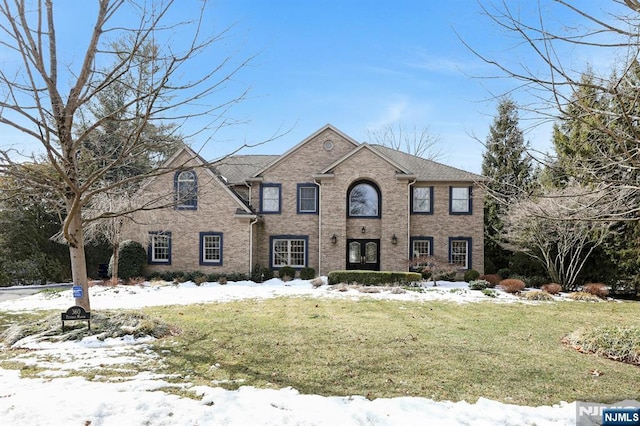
(478, 285)
(536, 281)
(537, 295)
(471, 275)
(492, 279)
(317, 282)
(237, 276)
(135, 281)
(504, 273)
(200, 279)
(489, 292)
(597, 289)
(307, 273)
(287, 273)
(552, 288)
(448, 276)
(373, 277)
(261, 274)
(132, 258)
(583, 296)
(222, 280)
(512, 286)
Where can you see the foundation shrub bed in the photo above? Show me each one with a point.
(286, 273)
(471, 275)
(511, 285)
(307, 273)
(373, 277)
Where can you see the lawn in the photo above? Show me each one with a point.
(446, 351)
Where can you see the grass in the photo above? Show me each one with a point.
(446, 351)
(508, 352)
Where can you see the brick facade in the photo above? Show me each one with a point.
(332, 163)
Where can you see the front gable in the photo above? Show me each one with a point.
(311, 155)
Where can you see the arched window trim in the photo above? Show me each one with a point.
(378, 193)
(184, 203)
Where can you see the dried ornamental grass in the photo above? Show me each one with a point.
(537, 295)
(512, 286)
(583, 296)
(552, 288)
(614, 342)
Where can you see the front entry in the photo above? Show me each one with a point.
(363, 254)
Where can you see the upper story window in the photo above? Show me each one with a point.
(307, 198)
(460, 200)
(422, 200)
(270, 197)
(186, 190)
(364, 200)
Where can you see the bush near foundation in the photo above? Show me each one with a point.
(493, 279)
(552, 288)
(512, 286)
(597, 289)
(373, 277)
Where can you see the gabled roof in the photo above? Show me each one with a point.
(236, 169)
(191, 154)
(366, 146)
(426, 170)
(299, 145)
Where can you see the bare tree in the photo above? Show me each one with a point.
(47, 98)
(557, 229)
(556, 85)
(419, 142)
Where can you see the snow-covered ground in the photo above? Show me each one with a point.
(57, 398)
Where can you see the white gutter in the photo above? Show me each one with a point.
(319, 226)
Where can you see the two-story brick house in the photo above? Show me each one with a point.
(329, 203)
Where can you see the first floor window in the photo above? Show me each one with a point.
(422, 247)
(160, 248)
(211, 248)
(290, 251)
(460, 252)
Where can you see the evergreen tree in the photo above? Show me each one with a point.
(507, 166)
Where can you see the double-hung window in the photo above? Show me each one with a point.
(270, 197)
(159, 252)
(210, 248)
(422, 200)
(307, 198)
(289, 251)
(460, 252)
(460, 200)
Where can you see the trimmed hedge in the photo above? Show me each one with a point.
(132, 258)
(373, 277)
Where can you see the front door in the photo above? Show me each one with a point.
(363, 254)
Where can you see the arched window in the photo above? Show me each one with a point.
(186, 190)
(364, 200)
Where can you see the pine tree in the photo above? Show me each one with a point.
(509, 169)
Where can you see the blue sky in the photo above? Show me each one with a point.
(357, 64)
(361, 65)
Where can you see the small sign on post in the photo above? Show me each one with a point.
(77, 291)
(76, 313)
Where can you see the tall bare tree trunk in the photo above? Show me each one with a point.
(78, 260)
(114, 269)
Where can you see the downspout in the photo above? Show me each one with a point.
(319, 225)
(409, 219)
(253, 222)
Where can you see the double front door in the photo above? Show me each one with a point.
(363, 254)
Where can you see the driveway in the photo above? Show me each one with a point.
(9, 293)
